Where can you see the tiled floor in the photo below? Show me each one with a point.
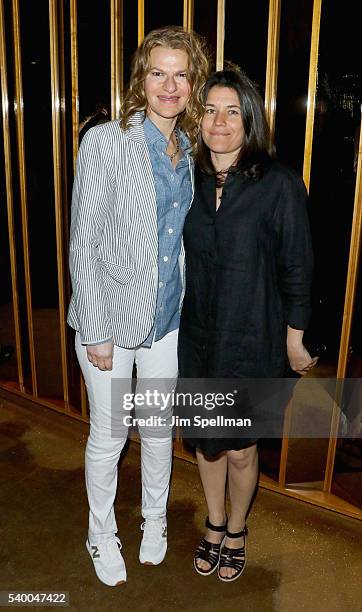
(300, 558)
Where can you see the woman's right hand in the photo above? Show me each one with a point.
(101, 355)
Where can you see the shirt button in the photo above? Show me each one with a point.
(170, 231)
(175, 204)
(160, 284)
(165, 258)
(161, 308)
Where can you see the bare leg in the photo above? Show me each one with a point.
(242, 479)
(213, 477)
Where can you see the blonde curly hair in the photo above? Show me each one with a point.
(173, 37)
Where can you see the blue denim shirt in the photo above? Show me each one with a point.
(174, 196)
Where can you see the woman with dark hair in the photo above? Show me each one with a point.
(132, 191)
(247, 301)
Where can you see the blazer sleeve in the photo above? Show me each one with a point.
(90, 199)
(294, 252)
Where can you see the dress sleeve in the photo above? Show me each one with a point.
(90, 200)
(294, 252)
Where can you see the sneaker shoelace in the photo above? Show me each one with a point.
(152, 530)
(111, 548)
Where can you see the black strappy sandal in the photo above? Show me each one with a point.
(209, 552)
(233, 557)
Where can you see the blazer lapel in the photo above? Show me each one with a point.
(144, 182)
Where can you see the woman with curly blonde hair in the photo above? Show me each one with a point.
(132, 191)
(198, 68)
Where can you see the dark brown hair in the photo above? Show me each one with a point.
(173, 37)
(256, 149)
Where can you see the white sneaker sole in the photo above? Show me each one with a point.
(147, 559)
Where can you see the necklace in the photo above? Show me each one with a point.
(177, 138)
(220, 180)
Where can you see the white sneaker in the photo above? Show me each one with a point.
(154, 542)
(108, 561)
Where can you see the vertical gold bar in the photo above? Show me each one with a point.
(188, 19)
(116, 57)
(190, 24)
(19, 117)
(351, 285)
(75, 129)
(54, 69)
(62, 97)
(63, 135)
(9, 196)
(271, 81)
(312, 87)
(285, 444)
(141, 21)
(186, 14)
(220, 34)
(74, 71)
(83, 397)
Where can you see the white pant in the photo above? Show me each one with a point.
(103, 448)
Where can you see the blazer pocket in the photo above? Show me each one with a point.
(119, 273)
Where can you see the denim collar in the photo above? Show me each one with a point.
(153, 135)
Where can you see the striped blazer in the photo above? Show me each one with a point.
(113, 237)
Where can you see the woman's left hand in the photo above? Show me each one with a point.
(300, 360)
